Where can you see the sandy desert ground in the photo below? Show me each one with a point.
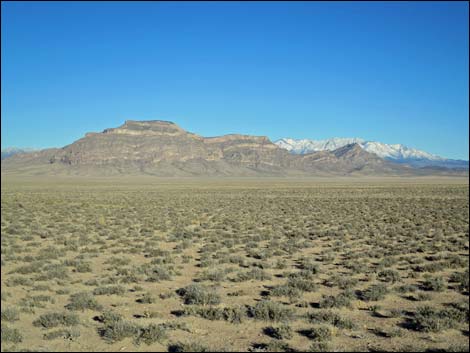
(148, 264)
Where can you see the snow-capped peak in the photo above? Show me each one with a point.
(393, 152)
(397, 151)
(306, 146)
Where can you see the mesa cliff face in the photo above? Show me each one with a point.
(163, 148)
(145, 145)
(134, 142)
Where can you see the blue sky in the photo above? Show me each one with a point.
(395, 72)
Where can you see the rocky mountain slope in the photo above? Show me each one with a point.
(163, 148)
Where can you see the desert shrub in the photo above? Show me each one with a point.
(456, 261)
(374, 292)
(18, 281)
(406, 288)
(237, 259)
(175, 325)
(429, 319)
(341, 300)
(330, 317)
(49, 320)
(272, 346)
(118, 261)
(309, 266)
(10, 314)
(188, 347)
(357, 267)
(462, 278)
(432, 267)
(396, 312)
(109, 317)
(146, 298)
(340, 281)
(319, 347)
(116, 290)
(230, 314)
(395, 332)
(5, 295)
(389, 276)
(34, 267)
(52, 271)
(68, 334)
(422, 296)
(302, 274)
(455, 348)
(214, 275)
(375, 309)
(83, 267)
(280, 264)
(117, 330)
(320, 333)
(157, 274)
(10, 335)
(284, 290)
(254, 274)
(157, 253)
(152, 314)
(82, 301)
(279, 332)
(41, 287)
(387, 262)
(166, 295)
(51, 253)
(92, 282)
(29, 303)
(436, 284)
(199, 295)
(270, 311)
(463, 308)
(150, 334)
(237, 293)
(206, 262)
(303, 285)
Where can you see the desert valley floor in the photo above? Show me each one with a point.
(149, 264)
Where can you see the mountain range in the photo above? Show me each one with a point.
(162, 148)
(393, 152)
(10, 151)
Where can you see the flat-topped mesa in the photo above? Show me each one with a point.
(148, 127)
(237, 137)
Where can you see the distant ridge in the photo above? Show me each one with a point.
(11, 151)
(396, 153)
(162, 148)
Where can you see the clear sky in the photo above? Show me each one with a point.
(395, 72)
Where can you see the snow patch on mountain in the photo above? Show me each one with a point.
(397, 151)
(307, 146)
